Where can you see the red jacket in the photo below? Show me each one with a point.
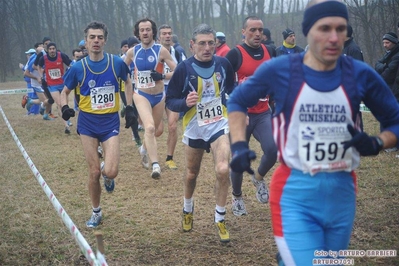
(222, 50)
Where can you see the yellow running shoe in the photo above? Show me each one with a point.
(171, 164)
(187, 221)
(222, 230)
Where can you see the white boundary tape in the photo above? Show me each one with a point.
(84, 246)
(16, 91)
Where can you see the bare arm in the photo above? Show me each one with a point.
(167, 58)
(64, 96)
(237, 125)
(28, 74)
(129, 57)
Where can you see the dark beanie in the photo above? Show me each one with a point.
(287, 33)
(266, 32)
(390, 36)
(51, 44)
(132, 41)
(123, 43)
(349, 31)
(322, 10)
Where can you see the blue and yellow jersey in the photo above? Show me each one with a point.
(99, 83)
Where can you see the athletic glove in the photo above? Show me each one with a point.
(366, 145)
(130, 117)
(156, 75)
(67, 112)
(242, 157)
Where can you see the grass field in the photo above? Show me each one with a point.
(142, 218)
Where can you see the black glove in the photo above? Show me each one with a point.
(130, 117)
(67, 112)
(156, 75)
(241, 157)
(366, 145)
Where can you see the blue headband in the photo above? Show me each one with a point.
(322, 10)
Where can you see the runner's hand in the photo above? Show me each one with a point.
(156, 75)
(242, 157)
(130, 117)
(67, 112)
(366, 145)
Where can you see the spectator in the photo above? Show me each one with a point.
(267, 39)
(388, 65)
(221, 47)
(350, 47)
(289, 44)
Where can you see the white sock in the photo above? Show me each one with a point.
(97, 210)
(188, 205)
(219, 213)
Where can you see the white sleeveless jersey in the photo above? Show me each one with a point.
(316, 132)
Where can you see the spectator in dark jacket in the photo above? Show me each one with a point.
(289, 45)
(388, 65)
(267, 39)
(350, 46)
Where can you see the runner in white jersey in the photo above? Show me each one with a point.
(198, 89)
(149, 96)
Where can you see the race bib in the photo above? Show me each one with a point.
(102, 97)
(209, 112)
(144, 80)
(321, 147)
(54, 73)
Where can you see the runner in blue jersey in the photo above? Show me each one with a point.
(199, 88)
(98, 77)
(316, 129)
(149, 93)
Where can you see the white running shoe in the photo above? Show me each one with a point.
(156, 171)
(144, 158)
(238, 206)
(262, 193)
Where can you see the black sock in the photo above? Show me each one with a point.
(169, 158)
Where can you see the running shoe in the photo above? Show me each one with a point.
(100, 151)
(156, 172)
(53, 116)
(42, 109)
(262, 193)
(144, 158)
(95, 220)
(67, 131)
(29, 104)
(187, 222)
(391, 149)
(123, 110)
(222, 231)
(24, 101)
(47, 117)
(171, 164)
(238, 206)
(109, 183)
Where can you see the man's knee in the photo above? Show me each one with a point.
(222, 170)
